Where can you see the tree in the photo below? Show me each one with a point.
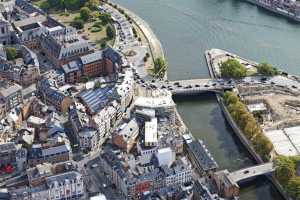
(263, 146)
(109, 32)
(103, 44)
(293, 187)
(160, 67)
(11, 53)
(92, 4)
(232, 69)
(266, 69)
(45, 5)
(85, 13)
(72, 4)
(78, 23)
(285, 169)
(105, 18)
(230, 98)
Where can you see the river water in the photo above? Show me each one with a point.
(186, 29)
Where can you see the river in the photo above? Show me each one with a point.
(186, 29)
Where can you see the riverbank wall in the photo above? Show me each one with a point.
(239, 133)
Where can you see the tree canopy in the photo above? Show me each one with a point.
(231, 68)
(11, 53)
(266, 69)
(92, 4)
(109, 32)
(247, 123)
(77, 23)
(285, 169)
(160, 67)
(105, 18)
(85, 13)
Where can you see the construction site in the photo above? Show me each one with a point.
(277, 110)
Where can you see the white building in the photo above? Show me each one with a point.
(151, 133)
(165, 156)
(159, 100)
(126, 89)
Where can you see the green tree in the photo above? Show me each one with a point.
(266, 69)
(285, 169)
(230, 98)
(251, 129)
(293, 188)
(72, 4)
(85, 13)
(92, 4)
(262, 146)
(105, 18)
(103, 44)
(77, 23)
(109, 32)
(232, 69)
(45, 5)
(11, 53)
(160, 67)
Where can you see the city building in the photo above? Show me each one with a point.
(126, 136)
(56, 77)
(68, 185)
(39, 153)
(98, 98)
(8, 153)
(5, 30)
(24, 69)
(72, 71)
(151, 138)
(133, 181)
(61, 52)
(200, 156)
(53, 96)
(48, 181)
(159, 100)
(10, 95)
(93, 64)
(86, 135)
(125, 89)
(7, 6)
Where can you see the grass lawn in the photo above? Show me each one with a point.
(38, 3)
(66, 18)
(96, 37)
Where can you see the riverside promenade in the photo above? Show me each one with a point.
(153, 42)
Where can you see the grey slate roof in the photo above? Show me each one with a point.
(72, 66)
(93, 57)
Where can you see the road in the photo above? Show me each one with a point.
(98, 182)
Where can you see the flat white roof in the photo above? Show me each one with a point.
(154, 102)
(281, 143)
(151, 131)
(257, 107)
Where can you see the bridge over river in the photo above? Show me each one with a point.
(195, 86)
(250, 172)
(227, 182)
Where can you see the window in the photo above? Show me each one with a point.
(2, 30)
